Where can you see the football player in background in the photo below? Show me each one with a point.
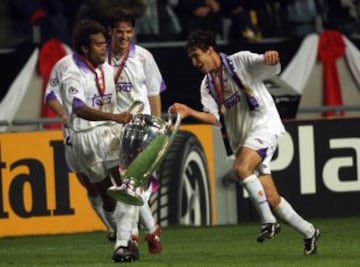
(137, 78)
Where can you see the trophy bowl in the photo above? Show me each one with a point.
(144, 143)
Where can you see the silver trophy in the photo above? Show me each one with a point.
(144, 143)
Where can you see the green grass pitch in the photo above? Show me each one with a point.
(339, 245)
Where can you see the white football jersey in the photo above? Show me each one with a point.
(139, 78)
(240, 121)
(79, 86)
(53, 87)
(52, 92)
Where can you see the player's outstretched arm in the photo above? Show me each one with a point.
(186, 111)
(91, 114)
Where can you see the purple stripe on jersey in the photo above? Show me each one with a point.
(77, 103)
(50, 96)
(162, 86)
(76, 59)
(262, 152)
(81, 64)
(132, 50)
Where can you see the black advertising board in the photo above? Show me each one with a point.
(317, 168)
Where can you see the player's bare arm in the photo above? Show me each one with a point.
(186, 111)
(58, 109)
(155, 105)
(90, 114)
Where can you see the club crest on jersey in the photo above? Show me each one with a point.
(73, 90)
(53, 82)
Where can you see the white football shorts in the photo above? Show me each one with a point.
(265, 144)
(97, 150)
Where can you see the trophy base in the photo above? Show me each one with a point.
(125, 195)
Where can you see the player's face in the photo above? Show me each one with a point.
(121, 35)
(96, 52)
(202, 60)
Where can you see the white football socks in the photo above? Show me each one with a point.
(97, 204)
(147, 218)
(286, 212)
(124, 216)
(257, 195)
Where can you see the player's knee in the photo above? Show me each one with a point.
(242, 171)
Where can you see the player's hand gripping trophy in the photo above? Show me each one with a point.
(143, 145)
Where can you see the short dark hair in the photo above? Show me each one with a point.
(82, 32)
(201, 39)
(119, 15)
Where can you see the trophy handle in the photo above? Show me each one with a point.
(136, 107)
(177, 122)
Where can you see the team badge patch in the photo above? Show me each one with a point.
(54, 82)
(73, 90)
